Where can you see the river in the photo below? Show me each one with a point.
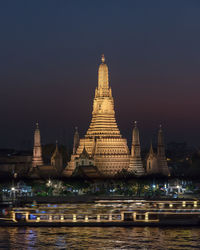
(30, 238)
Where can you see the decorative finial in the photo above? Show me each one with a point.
(135, 122)
(37, 125)
(103, 58)
(56, 145)
(160, 126)
(151, 147)
(76, 128)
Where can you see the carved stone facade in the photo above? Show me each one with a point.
(157, 163)
(103, 141)
(152, 162)
(57, 160)
(84, 159)
(102, 152)
(136, 165)
(76, 140)
(37, 149)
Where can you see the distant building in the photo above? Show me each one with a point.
(152, 162)
(57, 160)
(76, 141)
(157, 163)
(15, 164)
(37, 149)
(136, 165)
(176, 186)
(41, 170)
(102, 152)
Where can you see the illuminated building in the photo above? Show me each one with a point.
(103, 141)
(103, 152)
(152, 162)
(136, 165)
(37, 149)
(76, 140)
(57, 160)
(157, 163)
(39, 169)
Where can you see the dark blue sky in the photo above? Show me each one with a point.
(49, 56)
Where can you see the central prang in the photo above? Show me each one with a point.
(107, 152)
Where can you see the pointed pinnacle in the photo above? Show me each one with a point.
(103, 58)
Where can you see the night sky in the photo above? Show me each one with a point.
(49, 57)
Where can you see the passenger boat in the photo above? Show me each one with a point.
(107, 213)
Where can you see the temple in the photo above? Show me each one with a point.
(57, 160)
(136, 165)
(157, 163)
(103, 141)
(102, 152)
(152, 162)
(37, 149)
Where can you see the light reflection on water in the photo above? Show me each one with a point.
(99, 238)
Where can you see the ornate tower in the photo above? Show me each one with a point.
(152, 163)
(57, 159)
(103, 116)
(162, 161)
(76, 141)
(136, 165)
(103, 140)
(37, 150)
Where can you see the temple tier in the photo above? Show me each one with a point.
(103, 141)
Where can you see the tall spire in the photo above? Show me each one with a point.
(103, 140)
(161, 147)
(103, 82)
(103, 116)
(151, 150)
(135, 160)
(57, 159)
(56, 150)
(103, 58)
(76, 140)
(37, 150)
(152, 162)
(135, 140)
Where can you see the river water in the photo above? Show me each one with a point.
(99, 238)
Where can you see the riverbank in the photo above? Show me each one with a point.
(85, 199)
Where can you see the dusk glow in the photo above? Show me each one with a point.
(49, 58)
(100, 124)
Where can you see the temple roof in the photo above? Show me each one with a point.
(84, 154)
(136, 139)
(151, 152)
(103, 122)
(160, 136)
(90, 172)
(56, 153)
